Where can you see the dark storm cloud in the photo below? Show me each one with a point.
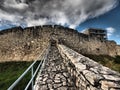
(39, 12)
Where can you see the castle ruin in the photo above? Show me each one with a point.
(25, 44)
(96, 33)
(65, 67)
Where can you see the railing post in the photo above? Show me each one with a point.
(31, 77)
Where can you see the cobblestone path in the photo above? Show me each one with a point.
(54, 75)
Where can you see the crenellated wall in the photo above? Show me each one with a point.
(87, 74)
(26, 44)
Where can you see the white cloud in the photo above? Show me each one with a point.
(37, 12)
(12, 19)
(110, 31)
(36, 22)
(15, 5)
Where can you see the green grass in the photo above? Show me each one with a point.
(10, 71)
(108, 61)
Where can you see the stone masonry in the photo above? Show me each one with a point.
(66, 69)
(55, 75)
(18, 44)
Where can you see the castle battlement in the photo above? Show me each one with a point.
(14, 41)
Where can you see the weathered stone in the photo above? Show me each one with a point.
(45, 79)
(65, 74)
(112, 77)
(90, 75)
(36, 87)
(83, 67)
(57, 76)
(107, 84)
(62, 88)
(57, 81)
(49, 81)
(64, 83)
(56, 86)
(50, 86)
(41, 82)
(53, 69)
(43, 87)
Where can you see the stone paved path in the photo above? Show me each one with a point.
(54, 75)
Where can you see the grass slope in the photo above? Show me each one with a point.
(108, 61)
(10, 71)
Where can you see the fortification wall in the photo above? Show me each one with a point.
(75, 40)
(79, 41)
(26, 44)
(112, 48)
(89, 75)
(19, 44)
(118, 49)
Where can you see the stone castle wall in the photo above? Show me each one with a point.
(21, 45)
(27, 44)
(112, 48)
(118, 49)
(81, 42)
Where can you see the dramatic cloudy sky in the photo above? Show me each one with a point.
(78, 14)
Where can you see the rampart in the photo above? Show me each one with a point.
(26, 44)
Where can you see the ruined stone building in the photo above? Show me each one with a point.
(96, 33)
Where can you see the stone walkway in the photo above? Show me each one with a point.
(54, 75)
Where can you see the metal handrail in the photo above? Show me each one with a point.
(18, 80)
(44, 53)
(43, 61)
